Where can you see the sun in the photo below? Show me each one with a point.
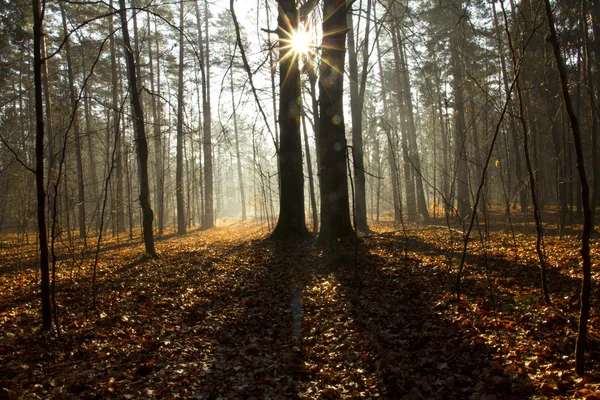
(301, 41)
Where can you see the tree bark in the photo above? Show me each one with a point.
(117, 203)
(291, 223)
(179, 187)
(39, 166)
(411, 131)
(357, 93)
(237, 144)
(335, 209)
(76, 133)
(462, 172)
(311, 182)
(140, 136)
(159, 171)
(585, 198)
(390, 153)
(209, 218)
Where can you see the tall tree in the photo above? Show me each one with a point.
(118, 201)
(357, 100)
(39, 165)
(335, 208)
(75, 123)
(585, 196)
(291, 222)
(179, 187)
(159, 170)
(460, 127)
(207, 139)
(140, 135)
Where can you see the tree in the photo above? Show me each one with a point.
(179, 188)
(39, 165)
(140, 135)
(207, 140)
(585, 196)
(291, 223)
(357, 100)
(118, 202)
(335, 208)
(75, 124)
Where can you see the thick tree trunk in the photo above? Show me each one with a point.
(39, 166)
(335, 209)
(291, 223)
(140, 136)
(179, 187)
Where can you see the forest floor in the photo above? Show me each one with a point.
(225, 313)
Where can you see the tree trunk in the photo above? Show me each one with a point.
(585, 197)
(207, 142)
(335, 208)
(75, 122)
(593, 91)
(460, 151)
(159, 171)
(411, 131)
(237, 141)
(390, 147)
(356, 105)
(179, 187)
(39, 166)
(273, 94)
(140, 136)
(411, 207)
(117, 203)
(291, 223)
(311, 182)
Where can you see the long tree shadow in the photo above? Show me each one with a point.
(271, 319)
(305, 324)
(417, 348)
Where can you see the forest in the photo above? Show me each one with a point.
(278, 199)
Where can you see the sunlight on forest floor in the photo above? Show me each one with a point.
(224, 313)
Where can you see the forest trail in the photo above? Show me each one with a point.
(227, 314)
